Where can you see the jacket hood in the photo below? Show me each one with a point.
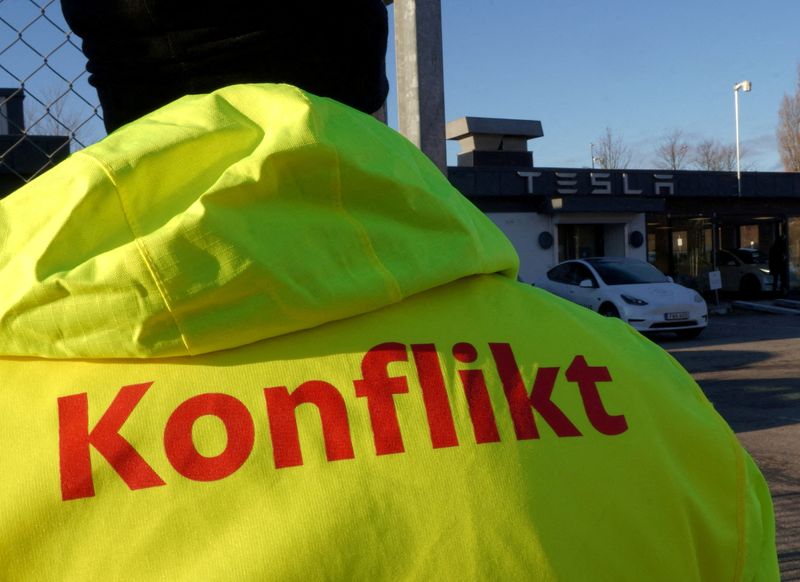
(227, 218)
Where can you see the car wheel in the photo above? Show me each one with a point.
(689, 333)
(608, 310)
(749, 286)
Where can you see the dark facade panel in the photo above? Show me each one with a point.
(24, 156)
(29, 154)
(572, 204)
(12, 98)
(9, 183)
(536, 204)
(733, 206)
(473, 182)
(496, 159)
(771, 182)
(664, 184)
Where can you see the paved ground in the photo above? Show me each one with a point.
(749, 366)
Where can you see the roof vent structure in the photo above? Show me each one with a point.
(487, 141)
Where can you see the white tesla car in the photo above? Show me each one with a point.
(745, 270)
(632, 290)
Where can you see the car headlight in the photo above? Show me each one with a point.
(698, 298)
(632, 300)
(765, 271)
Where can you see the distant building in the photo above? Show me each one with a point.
(677, 220)
(23, 156)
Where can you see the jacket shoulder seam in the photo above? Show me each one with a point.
(140, 247)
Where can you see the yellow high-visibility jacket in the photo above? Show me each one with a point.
(256, 335)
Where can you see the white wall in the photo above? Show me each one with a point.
(523, 229)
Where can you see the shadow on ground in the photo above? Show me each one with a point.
(697, 361)
(735, 328)
(755, 403)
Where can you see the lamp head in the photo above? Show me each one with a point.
(744, 86)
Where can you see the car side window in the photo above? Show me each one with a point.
(581, 273)
(726, 259)
(559, 274)
(571, 275)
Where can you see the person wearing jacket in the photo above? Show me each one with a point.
(256, 335)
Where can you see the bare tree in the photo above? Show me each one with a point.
(48, 113)
(53, 111)
(672, 151)
(713, 156)
(611, 152)
(789, 129)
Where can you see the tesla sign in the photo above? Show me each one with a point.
(548, 182)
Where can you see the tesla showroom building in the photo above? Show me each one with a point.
(687, 223)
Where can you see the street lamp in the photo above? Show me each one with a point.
(596, 159)
(744, 86)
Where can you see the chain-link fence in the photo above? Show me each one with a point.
(47, 107)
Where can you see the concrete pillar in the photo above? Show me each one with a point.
(420, 76)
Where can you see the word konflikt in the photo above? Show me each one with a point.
(376, 387)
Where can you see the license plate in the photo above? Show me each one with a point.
(676, 316)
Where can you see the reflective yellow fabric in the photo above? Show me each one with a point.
(226, 218)
(451, 423)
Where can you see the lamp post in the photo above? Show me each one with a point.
(596, 159)
(744, 86)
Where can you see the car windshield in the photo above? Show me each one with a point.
(751, 257)
(629, 273)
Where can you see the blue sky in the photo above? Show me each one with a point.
(641, 68)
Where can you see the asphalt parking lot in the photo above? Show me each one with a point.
(748, 365)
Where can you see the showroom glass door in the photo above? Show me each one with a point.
(579, 241)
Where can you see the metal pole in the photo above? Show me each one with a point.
(738, 168)
(744, 86)
(420, 76)
(714, 249)
(591, 153)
